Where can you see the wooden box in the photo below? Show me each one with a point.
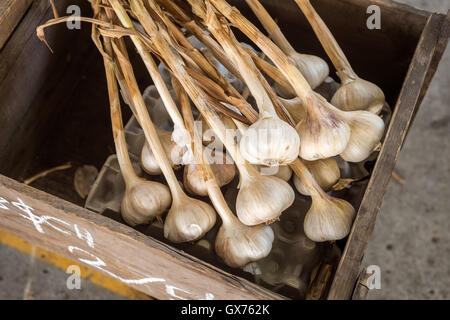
(54, 108)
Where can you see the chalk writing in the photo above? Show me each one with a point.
(27, 212)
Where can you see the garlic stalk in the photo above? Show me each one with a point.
(257, 202)
(314, 69)
(143, 200)
(281, 84)
(200, 33)
(236, 243)
(188, 218)
(269, 141)
(325, 171)
(354, 93)
(328, 218)
(202, 63)
(323, 132)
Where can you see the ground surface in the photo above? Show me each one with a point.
(411, 241)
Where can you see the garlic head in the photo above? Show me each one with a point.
(262, 199)
(270, 141)
(367, 129)
(328, 219)
(359, 94)
(173, 151)
(195, 183)
(238, 244)
(325, 171)
(313, 68)
(324, 133)
(188, 220)
(143, 201)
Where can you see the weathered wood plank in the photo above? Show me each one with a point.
(348, 268)
(114, 249)
(361, 289)
(438, 52)
(11, 11)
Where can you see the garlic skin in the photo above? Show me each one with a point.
(239, 245)
(194, 182)
(294, 107)
(324, 133)
(367, 129)
(188, 220)
(329, 219)
(173, 151)
(270, 141)
(325, 171)
(143, 201)
(252, 205)
(359, 94)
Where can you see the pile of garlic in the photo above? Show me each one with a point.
(266, 150)
(265, 114)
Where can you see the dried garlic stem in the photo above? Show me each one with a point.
(291, 73)
(355, 93)
(143, 200)
(313, 68)
(258, 210)
(206, 66)
(327, 40)
(236, 243)
(281, 143)
(188, 219)
(201, 34)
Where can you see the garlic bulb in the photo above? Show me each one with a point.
(193, 177)
(268, 141)
(324, 133)
(188, 220)
(238, 244)
(367, 129)
(314, 69)
(359, 94)
(173, 151)
(261, 199)
(328, 219)
(355, 93)
(325, 171)
(143, 200)
(294, 107)
(282, 172)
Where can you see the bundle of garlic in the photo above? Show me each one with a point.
(236, 243)
(280, 137)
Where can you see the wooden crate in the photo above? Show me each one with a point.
(53, 108)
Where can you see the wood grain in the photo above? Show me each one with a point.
(347, 273)
(11, 11)
(125, 253)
